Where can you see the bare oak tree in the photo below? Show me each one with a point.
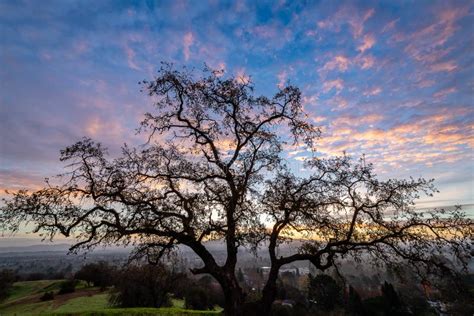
(212, 169)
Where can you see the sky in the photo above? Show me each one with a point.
(391, 80)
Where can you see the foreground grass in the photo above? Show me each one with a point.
(24, 300)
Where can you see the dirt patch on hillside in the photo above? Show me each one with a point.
(58, 299)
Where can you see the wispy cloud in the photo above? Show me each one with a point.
(350, 15)
(372, 91)
(448, 66)
(444, 93)
(337, 84)
(367, 42)
(188, 41)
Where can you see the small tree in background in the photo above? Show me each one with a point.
(7, 277)
(144, 286)
(68, 286)
(354, 303)
(390, 296)
(99, 274)
(47, 296)
(324, 292)
(198, 298)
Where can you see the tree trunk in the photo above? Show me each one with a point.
(233, 294)
(269, 292)
(234, 302)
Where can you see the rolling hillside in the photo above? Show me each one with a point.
(25, 300)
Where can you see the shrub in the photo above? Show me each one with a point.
(97, 274)
(47, 296)
(7, 277)
(324, 292)
(68, 286)
(144, 286)
(197, 298)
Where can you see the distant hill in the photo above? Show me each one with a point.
(35, 248)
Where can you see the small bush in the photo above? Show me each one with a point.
(47, 296)
(99, 274)
(144, 286)
(68, 286)
(197, 298)
(7, 277)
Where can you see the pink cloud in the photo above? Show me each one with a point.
(131, 58)
(347, 15)
(357, 23)
(425, 83)
(355, 121)
(443, 93)
(428, 140)
(343, 63)
(365, 62)
(188, 41)
(373, 91)
(367, 43)
(282, 78)
(310, 100)
(390, 25)
(339, 62)
(337, 84)
(109, 129)
(266, 31)
(241, 77)
(448, 66)
(337, 103)
(427, 44)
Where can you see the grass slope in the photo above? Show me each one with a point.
(28, 288)
(24, 300)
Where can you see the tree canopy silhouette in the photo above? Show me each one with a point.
(213, 169)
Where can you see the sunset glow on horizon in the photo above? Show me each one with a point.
(389, 80)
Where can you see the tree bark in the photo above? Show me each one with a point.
(234, 302)
(269, 291)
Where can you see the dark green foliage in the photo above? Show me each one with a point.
(280, 310)
(289, 292)
(392, 302)
(459, 294)
(7, 277)
(197, 298)
(374, 306)
(324, 292)
(203, 294)
(68, 286)
(296, 309)
(354, 303)
(240, 276)
(47, 296)
(144, 286)
(390, 296)
(389, 304)
(97, 274)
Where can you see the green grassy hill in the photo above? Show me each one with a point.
(24, 299)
